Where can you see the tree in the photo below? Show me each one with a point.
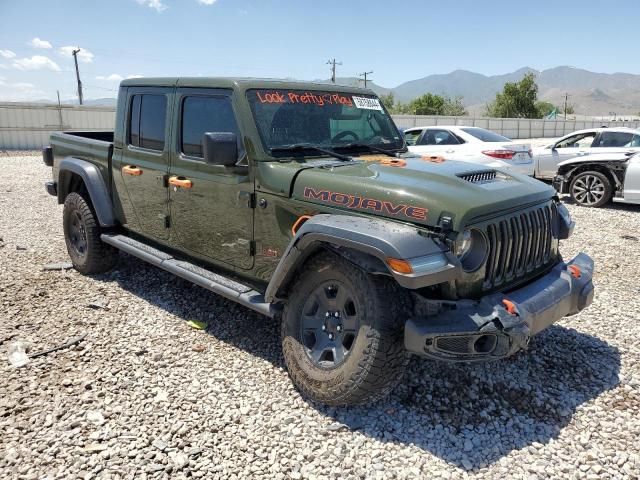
(517, 100)
(545, 108)
(388, 101)
(569, 110)
(430, 104)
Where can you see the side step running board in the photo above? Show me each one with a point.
(214, 282)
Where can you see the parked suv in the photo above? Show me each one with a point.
(300, 201)
(604, 140)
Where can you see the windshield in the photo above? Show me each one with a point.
(330, 120)
(485, 135)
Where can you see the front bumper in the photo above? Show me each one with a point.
(560, 184)
(500, 324)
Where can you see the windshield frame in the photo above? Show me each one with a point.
(396, 145)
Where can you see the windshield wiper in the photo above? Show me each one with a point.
(370, 147)
(308, 146)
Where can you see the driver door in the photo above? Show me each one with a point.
(566, 148)
(212, 214)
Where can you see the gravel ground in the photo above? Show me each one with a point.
(145, 395)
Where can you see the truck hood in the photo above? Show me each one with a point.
(419, 189)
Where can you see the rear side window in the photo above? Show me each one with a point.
(614, 139)
(636, 141)
(147, 121)
(485, 135)
(202, 115)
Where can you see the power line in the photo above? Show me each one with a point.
(75, 59)
(364, 74)
(333, 64)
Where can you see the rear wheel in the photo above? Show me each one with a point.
(591, 189)
(342, 333)
(82, 231)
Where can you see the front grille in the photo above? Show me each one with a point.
(479, 177)
(519, 245)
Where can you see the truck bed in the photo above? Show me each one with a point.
(95, 147)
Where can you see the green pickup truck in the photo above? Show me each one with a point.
(300, 201)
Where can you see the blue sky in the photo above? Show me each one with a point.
(399, 40)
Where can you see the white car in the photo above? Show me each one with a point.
(584, 142)
(471, 144)
(593, 180)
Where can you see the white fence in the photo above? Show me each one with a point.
(28, 126)
(512, 127)
(25, 126)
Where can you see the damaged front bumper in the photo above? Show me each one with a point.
(500, 324)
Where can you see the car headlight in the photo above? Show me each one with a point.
(463, 244)
(471, 249)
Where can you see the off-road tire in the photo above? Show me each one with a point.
(582, 180)
(95, 256)
(377, 358)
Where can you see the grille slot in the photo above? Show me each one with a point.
(520, 244)
(478, 177)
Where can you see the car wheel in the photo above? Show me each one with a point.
(591, 189)
(82, 231)
(343, 333)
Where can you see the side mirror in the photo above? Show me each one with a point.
(220, 148)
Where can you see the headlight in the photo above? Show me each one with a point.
(471, 249)
(463, 244)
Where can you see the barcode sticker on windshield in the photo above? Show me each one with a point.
(367, 103)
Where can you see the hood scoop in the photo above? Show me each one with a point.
(483, 176)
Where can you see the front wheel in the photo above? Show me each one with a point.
(88, 253)
(342, 333)
(591, 189)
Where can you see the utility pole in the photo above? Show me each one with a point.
(75, 59)
(566, 100)
(364, 74)
(333, 64)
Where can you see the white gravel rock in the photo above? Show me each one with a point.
(135, 400)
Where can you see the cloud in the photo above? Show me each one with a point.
(1, 80)
(207, 2)
(38, 43)
(19, 92)
(37, 62)
(7, 54)
(114, 77)
(84, 55)
(157, 5)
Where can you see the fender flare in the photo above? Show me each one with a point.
(379, 238)
(96, 187)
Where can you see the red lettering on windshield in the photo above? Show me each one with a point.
(307, 98)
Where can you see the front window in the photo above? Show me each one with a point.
(323, 119)
(581, 140)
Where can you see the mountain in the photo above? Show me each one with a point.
(590, 93)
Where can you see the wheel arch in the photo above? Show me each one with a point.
(600, 167)
(366, 243)
(77, 175)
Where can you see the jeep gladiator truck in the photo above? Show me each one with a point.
(300, 201)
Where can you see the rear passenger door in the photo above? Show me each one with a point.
(145, 158)
(614, 142)
(212, 215)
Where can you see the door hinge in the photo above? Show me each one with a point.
(252, 200)
(167, 221)
(252, 248)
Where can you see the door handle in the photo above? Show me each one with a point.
(132, 170)
(180, 182)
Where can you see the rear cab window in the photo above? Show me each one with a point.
(147, 121)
